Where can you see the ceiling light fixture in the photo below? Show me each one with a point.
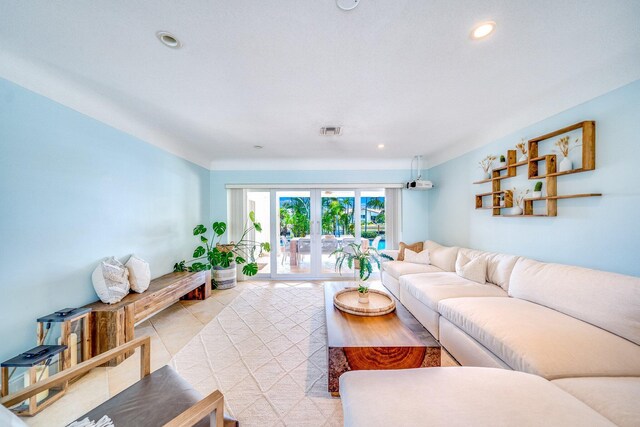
(347, 4)
(482, 30)
(380, 146)
(168, 39)
(331, 131)
(258, 147)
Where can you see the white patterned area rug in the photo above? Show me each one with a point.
(266, 352)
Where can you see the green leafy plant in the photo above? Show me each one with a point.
(538, 186)
(212, 253)
(502, 159)
(363, 289)
(362, 259)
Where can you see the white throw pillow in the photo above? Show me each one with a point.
(139, 274)
(9, 419)
(472, 269)
(111, 281)
(416, 257)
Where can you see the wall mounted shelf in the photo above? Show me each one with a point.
(548, 171)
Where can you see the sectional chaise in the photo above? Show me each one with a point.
(565, 339)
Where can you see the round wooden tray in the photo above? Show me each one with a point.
(380, 302)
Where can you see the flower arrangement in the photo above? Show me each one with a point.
(565, 146)
(519, 196)
(522, 147)
(486, 163)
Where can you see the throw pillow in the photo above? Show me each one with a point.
(416, 257)
(111, 281)
(139, 274)
(416, 247)
(472, 269)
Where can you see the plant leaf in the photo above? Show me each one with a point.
(257, 226)
(266, 246)
(200, 251)
(250, 269)
(199, 229)
(240, 260)
(219, 228)
(252, 216)
(203, 239)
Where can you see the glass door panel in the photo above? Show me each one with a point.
(337, 217)
(293, 222)
(372, 219)
(260, 203)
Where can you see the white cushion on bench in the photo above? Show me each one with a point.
(535, 339)
(461, 396)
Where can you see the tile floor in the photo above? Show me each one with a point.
(169, 330)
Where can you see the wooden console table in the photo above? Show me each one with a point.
(112, 324)
(393, 341)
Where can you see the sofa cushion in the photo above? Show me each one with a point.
(400, 268)
(421, 257)
(499, 266)
(462, 396)
(617, 398)
(608, 300)
(442, 257)
(431, 288)
(416, 247)
(535, 339)
(474, 269)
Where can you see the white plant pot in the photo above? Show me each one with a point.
(537, 194)
(486, 175)
(363, 298)
(502, 164)
(565, 165)
(523, 158)
(516, 210)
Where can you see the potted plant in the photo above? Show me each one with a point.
(485, 165)
(522, 148)
(564, 147)
(223, 258)
(361, 261)
(503, 162)
(537, 190)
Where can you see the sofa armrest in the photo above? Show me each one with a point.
(393, 253)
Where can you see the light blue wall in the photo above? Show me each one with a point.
(414, 203)
(74, 190)
(599, 232)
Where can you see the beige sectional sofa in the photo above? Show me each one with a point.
(577, 328)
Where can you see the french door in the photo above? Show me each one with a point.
(304, 226)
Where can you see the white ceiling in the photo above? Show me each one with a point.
(398, 72)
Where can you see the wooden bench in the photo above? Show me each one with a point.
(112, 324)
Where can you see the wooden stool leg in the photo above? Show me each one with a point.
(5, 381)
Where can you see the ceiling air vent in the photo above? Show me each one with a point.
(331, 131)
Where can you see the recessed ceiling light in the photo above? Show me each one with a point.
(168, 40)
(482, 30)
(380, 146)
(258, 147)
(347, 4)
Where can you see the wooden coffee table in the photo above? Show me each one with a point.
(393, 341)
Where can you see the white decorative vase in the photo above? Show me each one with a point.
(516, 210)
(502, 164)
(537, 194)
(363, 298)
(486, 175)
(565, 165)
(523, 158)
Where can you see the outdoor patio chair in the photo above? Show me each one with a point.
(285, 248)
(329, 244)
(304, 247)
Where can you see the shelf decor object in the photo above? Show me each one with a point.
(380, 303)
(29, 368)
(540, 167)
(69, 327)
